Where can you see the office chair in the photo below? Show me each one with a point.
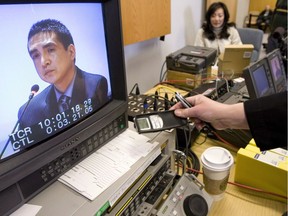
(252, 36)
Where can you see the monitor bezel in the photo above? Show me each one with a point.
(15, 168)
(250, 81)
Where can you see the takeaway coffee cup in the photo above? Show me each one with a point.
(216, 164)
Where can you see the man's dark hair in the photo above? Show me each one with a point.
(207, 26)
(52, 25)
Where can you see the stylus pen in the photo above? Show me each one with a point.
(208, 127)
(184, 102)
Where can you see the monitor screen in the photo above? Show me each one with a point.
(261, 81)
(42, 118)
(277, 70)
(258, 79)
(65, 94)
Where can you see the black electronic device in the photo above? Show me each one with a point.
(277, 70)
(158, 121)
(258, 79)
(191, 59)
(212, 90)
(231, 98)
(56, 143)
(148, 191)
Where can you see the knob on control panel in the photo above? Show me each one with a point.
(195, 205)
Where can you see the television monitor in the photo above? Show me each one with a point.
(234, 59)
(36, 150)
(258, 79)
(277, 70)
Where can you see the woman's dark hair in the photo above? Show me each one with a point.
(207, 26)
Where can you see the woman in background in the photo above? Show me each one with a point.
(217, 31)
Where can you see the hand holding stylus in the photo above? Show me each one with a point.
(209, 113)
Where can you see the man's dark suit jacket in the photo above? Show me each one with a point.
(44, 105)
(263, 18)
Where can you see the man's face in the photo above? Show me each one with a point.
(53, 63)
(217, 19)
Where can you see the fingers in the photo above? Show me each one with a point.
(184, 113)
(178, 105)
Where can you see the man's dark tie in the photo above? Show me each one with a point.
(63, 103)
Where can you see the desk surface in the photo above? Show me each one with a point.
(238, 201)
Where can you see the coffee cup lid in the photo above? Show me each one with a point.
(217, 158)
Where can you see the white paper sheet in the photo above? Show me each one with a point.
(101, 169)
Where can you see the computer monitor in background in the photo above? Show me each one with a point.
(258, 79)
(234, 59)
(277, 70)
(35, 155)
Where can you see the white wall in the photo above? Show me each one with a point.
(242, 12)
(144, 60)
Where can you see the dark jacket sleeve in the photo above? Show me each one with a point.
(267, 119)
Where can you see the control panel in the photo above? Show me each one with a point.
(139, 104)
(187, 198)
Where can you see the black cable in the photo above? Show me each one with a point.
(166, 101)
(192, 159)
(161, 71)
(191, 154)
(137, 92)
(137, 89)
(205, 138)
(146, 105)
(155, 104)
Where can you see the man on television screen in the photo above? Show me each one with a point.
(51, 47)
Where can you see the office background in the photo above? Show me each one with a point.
(144, 59)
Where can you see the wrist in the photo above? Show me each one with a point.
(233, 116)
